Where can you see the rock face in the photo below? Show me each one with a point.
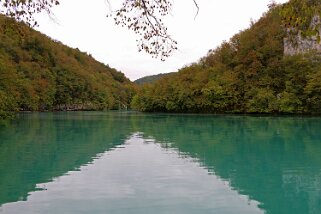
(297, 44)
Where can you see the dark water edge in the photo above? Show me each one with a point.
(274, 160)
(12, 115)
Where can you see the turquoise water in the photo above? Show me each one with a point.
(126, 162)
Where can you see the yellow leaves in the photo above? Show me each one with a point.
(247, 74)
(41, 74)
(298, 15)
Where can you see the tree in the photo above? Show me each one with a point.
(248, 74)
(144, 17)
(302, 16)
(24, 10)
(141, 17)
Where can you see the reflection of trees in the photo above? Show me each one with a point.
(273, 160)
(41, 147)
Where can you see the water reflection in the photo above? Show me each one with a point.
(143, 178)
(39, 147)
(273, 160)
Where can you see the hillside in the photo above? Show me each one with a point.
(151, 78)
(37, 73)
(247, 74)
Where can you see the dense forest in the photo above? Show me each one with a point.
(37, 74)
(247, 74)
(151, 78)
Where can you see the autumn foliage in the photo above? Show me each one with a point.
(247, 74)
(37, 73)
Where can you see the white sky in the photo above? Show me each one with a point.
(83, 24)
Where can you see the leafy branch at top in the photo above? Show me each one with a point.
(23, 10)
(144, 17)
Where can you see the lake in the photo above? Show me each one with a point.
(128, 162)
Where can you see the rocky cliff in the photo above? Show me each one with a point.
(296, 43)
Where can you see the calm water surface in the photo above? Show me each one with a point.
(118, 162)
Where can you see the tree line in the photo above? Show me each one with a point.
(38, 74)
(247, 74)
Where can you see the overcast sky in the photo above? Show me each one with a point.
(84, 25)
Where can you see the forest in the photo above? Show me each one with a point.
(151, 78)
(39, 74)
(247, 74)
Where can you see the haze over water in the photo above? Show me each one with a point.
(127, 162)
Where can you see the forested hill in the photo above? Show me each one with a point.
(37, 73)
(247, 74)
(151, 78)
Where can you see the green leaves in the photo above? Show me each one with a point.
(39, 74)
(248, 74)
(302, 16)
